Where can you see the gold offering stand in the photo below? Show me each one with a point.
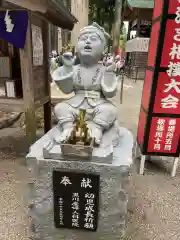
(80, 144)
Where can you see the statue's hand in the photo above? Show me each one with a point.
(110, 66)
(52, 64)
(69, 63)
(68, 60)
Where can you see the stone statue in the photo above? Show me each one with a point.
(92, 84)
(62, 151)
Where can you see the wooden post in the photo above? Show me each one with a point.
(136, 74)
(47, 117)
(175, 166)
(128, 38)
(2, 3)
(142, 164)
(122, 86)
(117, 25)
(49, 38)
(28, 86)
(47, 106)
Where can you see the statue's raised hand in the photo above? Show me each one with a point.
(68, 61)
(52, 64)
(110, 65)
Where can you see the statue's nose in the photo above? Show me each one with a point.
(88, 41)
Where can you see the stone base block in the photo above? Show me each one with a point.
(113, 196)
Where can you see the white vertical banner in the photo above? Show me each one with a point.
(37, 44)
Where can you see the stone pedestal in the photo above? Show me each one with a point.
(114, 177)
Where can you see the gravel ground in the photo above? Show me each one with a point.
(154, 200)
(13, 221)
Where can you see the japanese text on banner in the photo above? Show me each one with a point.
(164, 135)
(173, 69)
(170, 135)
(159, 134)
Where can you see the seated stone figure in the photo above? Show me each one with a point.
(92, 84)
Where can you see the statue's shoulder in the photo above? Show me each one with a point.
(76, 67)
(102, 68)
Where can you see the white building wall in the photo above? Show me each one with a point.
(59, 40)
(80, 9)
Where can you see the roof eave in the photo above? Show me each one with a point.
(136, 6)
(63, 9)
(56, 14)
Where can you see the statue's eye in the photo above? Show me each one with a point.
(83, 38)
(93, 38)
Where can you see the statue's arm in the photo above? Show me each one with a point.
(52, 63)
(63, 81)
(109, 84)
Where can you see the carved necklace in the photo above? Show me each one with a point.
(93, 79)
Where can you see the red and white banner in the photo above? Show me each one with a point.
(159, 120)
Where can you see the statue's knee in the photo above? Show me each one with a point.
(114, 111)
(109, 110)
(60, 109)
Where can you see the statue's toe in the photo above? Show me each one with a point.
(62, 138)
(57, 139)
(98, 137)
(65, 134)
(97, 141)
(96, 133)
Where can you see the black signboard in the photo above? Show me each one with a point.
(76, 200)
(145, 28)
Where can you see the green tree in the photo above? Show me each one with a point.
(123, 38)
(102, 12)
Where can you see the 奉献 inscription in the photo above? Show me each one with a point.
(76, 200)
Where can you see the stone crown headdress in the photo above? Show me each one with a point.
(97, 29)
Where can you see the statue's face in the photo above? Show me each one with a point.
(90, 44)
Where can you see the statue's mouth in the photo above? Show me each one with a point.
(88, 48)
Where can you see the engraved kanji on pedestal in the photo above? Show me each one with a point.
(76, 200)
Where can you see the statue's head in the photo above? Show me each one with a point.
(91, 42)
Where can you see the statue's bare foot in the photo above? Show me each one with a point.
(64, 136)
(49, 145)
(95, 132)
